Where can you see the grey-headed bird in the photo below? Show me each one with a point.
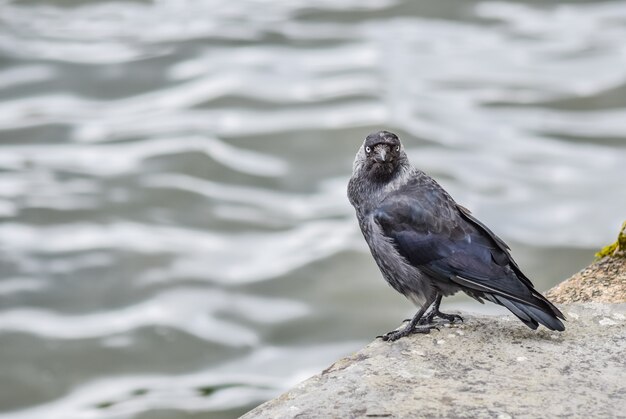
(427, 246)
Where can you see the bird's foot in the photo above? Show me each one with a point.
(428, 319)
(408, 330)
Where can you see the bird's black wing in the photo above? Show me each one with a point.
(445, 241)
(502, 246)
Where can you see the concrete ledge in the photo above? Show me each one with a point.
(490, 366)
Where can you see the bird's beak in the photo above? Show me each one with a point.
(381, 155)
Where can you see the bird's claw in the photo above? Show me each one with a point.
(438, 314)
(454, 317)
(397, 334)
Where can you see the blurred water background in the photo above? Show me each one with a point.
(175, 241)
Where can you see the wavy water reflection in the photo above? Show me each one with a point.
(175, 238)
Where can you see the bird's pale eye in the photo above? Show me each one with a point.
(397, 148)
(367, 149)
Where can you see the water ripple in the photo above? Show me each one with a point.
(268, 204)
(235, 385)
(192, 311)
(115, 159)
(267, 255)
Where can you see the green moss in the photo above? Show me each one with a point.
(615, 249)
(621, 239)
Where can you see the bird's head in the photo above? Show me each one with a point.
(381, 155)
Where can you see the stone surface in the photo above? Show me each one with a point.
(603, 281)
(488, 367)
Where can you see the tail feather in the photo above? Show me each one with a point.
(518, 311)
(531, 315)
(527, 304)
(549, 320)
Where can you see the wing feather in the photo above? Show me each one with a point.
(444, 240)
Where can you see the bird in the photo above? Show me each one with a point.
(428, 247)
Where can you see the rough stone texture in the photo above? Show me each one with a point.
(603, 281)
(487, 367)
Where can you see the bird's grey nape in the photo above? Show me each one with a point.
(428, 247)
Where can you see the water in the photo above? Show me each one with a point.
(175, 241)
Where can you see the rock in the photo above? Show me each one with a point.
(603, 281)
(489, 366)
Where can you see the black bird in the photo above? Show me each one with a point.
(427, 246)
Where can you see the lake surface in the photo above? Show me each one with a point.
(175, 240)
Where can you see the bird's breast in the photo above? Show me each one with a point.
(397, 271)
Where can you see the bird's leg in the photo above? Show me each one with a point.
(434, 312)
(414, 326)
